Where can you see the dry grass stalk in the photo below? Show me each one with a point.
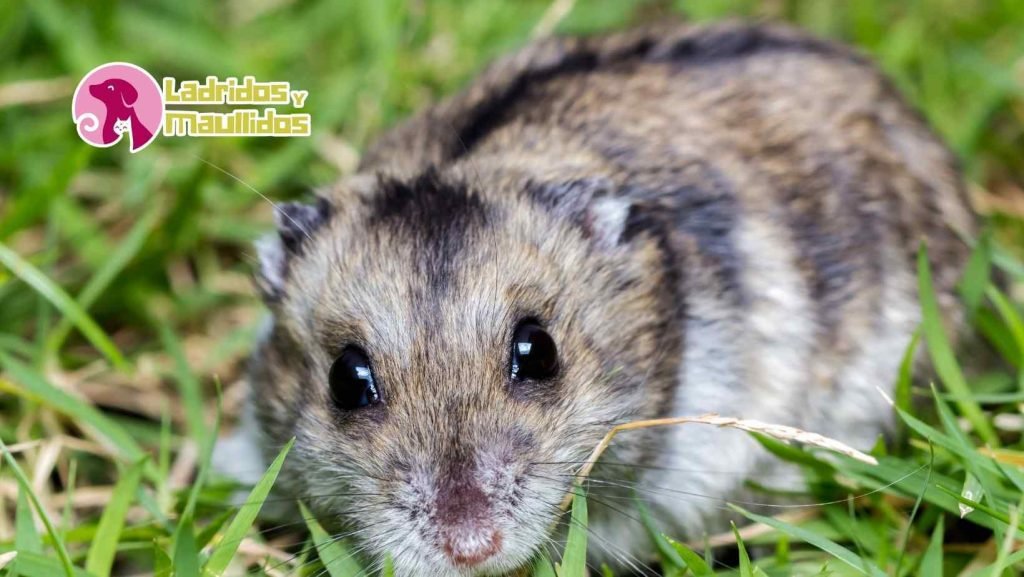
(556, 12)
(35, 91)
(259, 550)
(1003, 456)
(6, 558)
(780, 432)
(184, 465)
(84, 498)
(46, 461)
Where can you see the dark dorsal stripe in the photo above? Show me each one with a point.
(492, 100)
(437, 216)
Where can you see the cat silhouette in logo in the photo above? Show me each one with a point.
(119, 96)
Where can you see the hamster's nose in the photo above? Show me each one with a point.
(472, 547)
(468, 535)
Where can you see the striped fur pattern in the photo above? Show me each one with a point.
(705, 218)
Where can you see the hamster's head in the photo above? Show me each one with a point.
(446, 357)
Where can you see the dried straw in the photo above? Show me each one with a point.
(780, 432)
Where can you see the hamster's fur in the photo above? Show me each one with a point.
(717, 218)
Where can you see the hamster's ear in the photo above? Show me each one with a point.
(589, 202)
(296, 223)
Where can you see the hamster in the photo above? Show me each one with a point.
(662, 222)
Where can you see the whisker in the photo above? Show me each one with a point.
(602, 463)
(660, 490)
(277, 208)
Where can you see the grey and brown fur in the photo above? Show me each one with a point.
(715, 218)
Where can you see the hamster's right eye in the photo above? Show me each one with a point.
(351, 379)
(534, 355)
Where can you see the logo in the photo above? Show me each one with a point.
(119, 98)
(116, 99)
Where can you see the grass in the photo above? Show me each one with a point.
(125, 300)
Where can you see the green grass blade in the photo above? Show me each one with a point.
(574, 557)
(1012, 560)
(64, 303)
(667, 552)
(782, 551)
(982, 470)
(905, 379)
(240, 525)
(931, 561)
(29, 381)
(929, 433)
(745, 569)
(542, 567)
(994, 330)
(337, 559)
(25, 208)
(793, 454)
(186, 554)
(126, 250)
(104, 545)
(188, 385)
(976, 273)
(163, 462)
(827, 545)
(1010, 316)
(26, 538)
(694, 562)
(942, 353)
(976, 507)
(162, 566)
(16, 345)
(1008, 542)
(213, 527)
(922, 491)
(62, 553)
(894, 476)
(1005, 259)
(31, 564)
(389, 567)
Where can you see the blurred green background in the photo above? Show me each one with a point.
(137, 297)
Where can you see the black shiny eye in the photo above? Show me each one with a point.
(351, 380)
(534, 355)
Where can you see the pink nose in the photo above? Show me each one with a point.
(469, 549)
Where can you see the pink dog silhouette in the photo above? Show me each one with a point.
(119, 96)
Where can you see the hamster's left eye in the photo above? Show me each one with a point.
(352, 382)
(110, 87)
(534, 355)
